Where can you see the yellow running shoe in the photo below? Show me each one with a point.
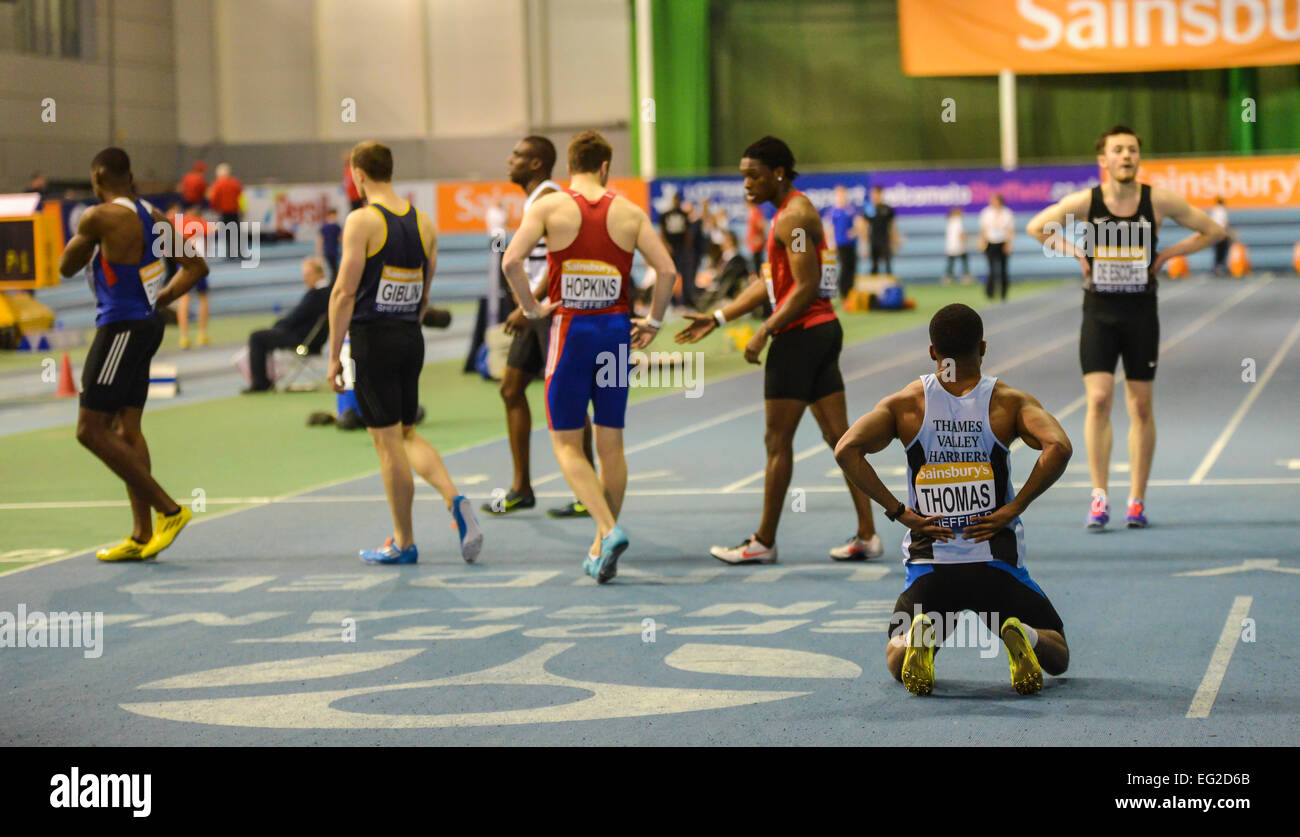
(165, 530)
(918, 660)
(203, 338)
(1026, 673)
(185, 342)
(127, 550)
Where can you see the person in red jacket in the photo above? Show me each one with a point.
(350, 188)
(224, 194)
(192, 185)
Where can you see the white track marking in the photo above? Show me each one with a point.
(326, 499)
(1255, 389)
(1203, 701)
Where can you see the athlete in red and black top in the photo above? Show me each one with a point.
(803, 371)
(123, 240)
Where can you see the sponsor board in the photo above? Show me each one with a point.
(1268, 182)
(1068, 36)
(463, 204)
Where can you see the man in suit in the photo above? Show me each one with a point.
(293, 328)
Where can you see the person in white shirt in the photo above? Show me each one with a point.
(1219, 215)
(954, 246)
(997, 229)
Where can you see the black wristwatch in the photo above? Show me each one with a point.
(896, 513)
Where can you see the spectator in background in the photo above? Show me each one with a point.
(997, 230)
(954, 246)
(756, 236)
(732, 272)
(841, 217)
(880, 227)
(223, 197)
(293, 328)
(674, 226)
(350, 188)
(1219, 215)
(327, 244)
(192, 186)
(194, 230)
(38, 183)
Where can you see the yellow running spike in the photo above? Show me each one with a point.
(165, 530)
(1026, 673)
(918, 660)
(127, 550)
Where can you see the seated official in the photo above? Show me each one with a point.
(292, 329)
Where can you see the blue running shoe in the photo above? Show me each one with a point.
(1098, 512)
(611, 547)
(591, 565)
(390, 554)
(471, 537)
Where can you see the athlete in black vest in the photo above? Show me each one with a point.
(379, 298)
(1120, 260)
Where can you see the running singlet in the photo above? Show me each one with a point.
(535, 264)
(957, 469)
(1122, 248)
(591, 275)
(780, 281)
(392, 281)
(128, 291)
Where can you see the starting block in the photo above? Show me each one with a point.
(163, 381)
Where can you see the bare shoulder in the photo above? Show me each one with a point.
(1166, 201)
(427, 227)
(1010, 398)
(907, 398)
(629, 208)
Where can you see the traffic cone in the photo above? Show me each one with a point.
(1238, 260)
(1295, 257)
(67, 386)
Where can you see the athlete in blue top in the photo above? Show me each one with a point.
(124, 239)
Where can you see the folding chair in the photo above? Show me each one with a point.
(292, 364)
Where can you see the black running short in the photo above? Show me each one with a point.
(528, 349)
(116, 373)
(1115, 328)
(388, 357)
(804, 363)
(994, 594)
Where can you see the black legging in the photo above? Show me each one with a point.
(880, 252)
(848, 254)
(997, 256)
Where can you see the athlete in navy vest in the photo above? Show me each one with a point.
(124, 240)
(390, 250)
(1120, 262)
(965, 546)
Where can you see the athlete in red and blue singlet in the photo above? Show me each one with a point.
(590, 234)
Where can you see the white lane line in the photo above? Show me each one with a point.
(1203, 701)
(1255, 389)
(733, 487)
(1191, 328)
(1238, 482)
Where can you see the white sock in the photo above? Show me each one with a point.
(1031, 634)
(1100, 492)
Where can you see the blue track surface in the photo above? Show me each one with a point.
(237, 635)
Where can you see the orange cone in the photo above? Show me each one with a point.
(67, 386)
(1238, 260)
(1295, 257)
(1177, 267)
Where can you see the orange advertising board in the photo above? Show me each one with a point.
(1271, 182)
(463, 204)
(961, 38)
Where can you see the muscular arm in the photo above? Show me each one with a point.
(356, 231)
(531, 229)
(1050, 226)
(1041, 431)
(192, 266)
(799, 231)
(431, 265)
(81, 247)
(871, 434)
(1172, 205)
(657, 257)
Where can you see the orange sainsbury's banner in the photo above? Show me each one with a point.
(1244, 182)
(462, 205)
(964, 38)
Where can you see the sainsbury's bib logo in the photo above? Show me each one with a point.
(955, 489)
(589, 283)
